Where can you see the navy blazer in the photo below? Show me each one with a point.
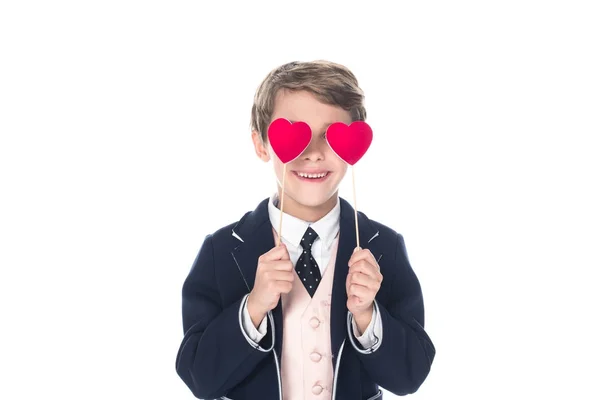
(216, 360)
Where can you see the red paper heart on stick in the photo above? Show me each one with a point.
(289, 140)
(350, 143)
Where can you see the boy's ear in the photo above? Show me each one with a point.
(261, 149)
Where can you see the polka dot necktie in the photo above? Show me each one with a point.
(306, 267)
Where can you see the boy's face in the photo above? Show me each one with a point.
(318, 158)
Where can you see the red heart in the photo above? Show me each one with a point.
(289, 140)
(350, 143)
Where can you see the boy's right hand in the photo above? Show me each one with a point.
(274, 275)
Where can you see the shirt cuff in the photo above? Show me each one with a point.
(255, 335)
(370, 336)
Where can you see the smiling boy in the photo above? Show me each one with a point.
(315, 317)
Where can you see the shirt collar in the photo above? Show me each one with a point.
(294, 228)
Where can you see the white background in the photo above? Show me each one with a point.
(125, 140)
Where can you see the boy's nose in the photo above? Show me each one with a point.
(316, 149)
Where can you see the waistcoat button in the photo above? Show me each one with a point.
(314, 356)
(314, 322)
(317, 389)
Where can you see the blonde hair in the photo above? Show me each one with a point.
(329, 82)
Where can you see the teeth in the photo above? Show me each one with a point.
(302, 174)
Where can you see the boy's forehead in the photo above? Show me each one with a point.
(305, 107)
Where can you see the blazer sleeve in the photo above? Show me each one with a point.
(405, 353)
(214, 355)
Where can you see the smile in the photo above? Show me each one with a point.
(313, 177)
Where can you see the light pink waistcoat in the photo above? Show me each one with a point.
(306, 358)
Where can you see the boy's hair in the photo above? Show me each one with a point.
(329, 82)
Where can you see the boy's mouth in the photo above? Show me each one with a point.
(317, 176)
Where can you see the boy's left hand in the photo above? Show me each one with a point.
(362, 284)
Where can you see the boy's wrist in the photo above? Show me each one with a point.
(256, 315)
(363, 319)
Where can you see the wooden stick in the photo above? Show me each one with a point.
(355, 210)
(281, 206)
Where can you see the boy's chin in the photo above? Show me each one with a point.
(315, 200)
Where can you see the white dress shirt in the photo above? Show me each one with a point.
(293, 230)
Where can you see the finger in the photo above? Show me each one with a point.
(285, 253)
(353, 255)
(364, 280)
(348, 277)
(348, 283)
(281, 265)
(364, 254)
(366, 268)
(283, 287)
(360, 291)
(287, 276)
(357, 301)
(276, 253)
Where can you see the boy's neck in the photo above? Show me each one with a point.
(306, 213)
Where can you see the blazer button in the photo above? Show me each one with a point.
(317, 389)
(314, 322)
(314, 356)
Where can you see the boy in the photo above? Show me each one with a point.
(315, 317)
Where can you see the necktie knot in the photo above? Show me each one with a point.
(309, 237)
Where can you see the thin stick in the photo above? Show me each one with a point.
(355, 212)
(281, 206)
